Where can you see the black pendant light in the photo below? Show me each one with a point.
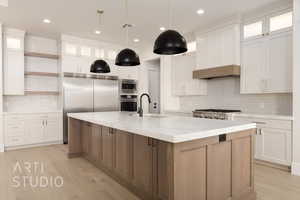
(100, 66)
(127, 57)
(170, 42)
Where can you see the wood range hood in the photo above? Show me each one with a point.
(218, 72)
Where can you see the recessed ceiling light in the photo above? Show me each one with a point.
(97, 32)
(162, 28)
(136, 40)
(47, 21)
(200, 12)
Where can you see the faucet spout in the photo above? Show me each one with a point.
(140, 110)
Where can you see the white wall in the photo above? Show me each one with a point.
(1, 93)
(296, 104)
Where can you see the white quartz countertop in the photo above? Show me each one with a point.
(172, 129)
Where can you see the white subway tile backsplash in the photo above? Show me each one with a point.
(225, 93)
(31, 103)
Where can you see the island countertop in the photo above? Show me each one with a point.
(173, 129)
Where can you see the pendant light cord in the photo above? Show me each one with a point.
(127, 22)
(170, 14)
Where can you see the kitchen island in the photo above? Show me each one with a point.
(168, 157)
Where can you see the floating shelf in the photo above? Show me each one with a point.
(42, 55)
(42, 74)
(42, 92)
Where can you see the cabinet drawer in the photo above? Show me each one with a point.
(267, 123)
(14, 141)
(14, 131)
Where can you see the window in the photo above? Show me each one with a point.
(85, 51)
(13, 43)
(254, 29)
(192, 46)
(281, 21)
(99, 53)
(71, 49)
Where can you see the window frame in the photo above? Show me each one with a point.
(252, 21)
(278, 14)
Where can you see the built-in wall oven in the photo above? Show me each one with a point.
(128, 86)
(129, 103)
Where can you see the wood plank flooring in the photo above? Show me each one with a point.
(83, 181)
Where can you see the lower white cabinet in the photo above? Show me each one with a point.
(29, 129)
(273, 140)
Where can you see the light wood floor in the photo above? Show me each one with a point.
(83, 181)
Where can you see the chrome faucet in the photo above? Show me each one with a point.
(140, 110)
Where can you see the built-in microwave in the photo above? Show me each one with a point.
(128, 86)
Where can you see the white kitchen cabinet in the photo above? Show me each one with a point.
(273, 140)
(219, 47)
(13, 59)
(34, 129)
(52, 128)
(279, 62)
(267, 54)
(183, 83)
(267, 64)
(31, 129)
(253, 66)
(126, 72)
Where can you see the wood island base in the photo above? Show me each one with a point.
(213, 168)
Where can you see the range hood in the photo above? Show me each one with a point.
(217, 72)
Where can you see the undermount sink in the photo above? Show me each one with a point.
(149, 115)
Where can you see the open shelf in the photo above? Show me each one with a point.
(41, 55)
(51, 74)
(28, 92)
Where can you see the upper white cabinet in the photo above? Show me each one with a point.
(267, 55)
(13, 71)
(183, 83)
(79, 54)
(219, 47)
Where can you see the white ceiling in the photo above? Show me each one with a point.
(78, 17)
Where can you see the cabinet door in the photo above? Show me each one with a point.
(107, 147)
(253, 66)
(70, 64)
(202, 54)
(276, 146)
(13, 72)
(124, 154)
(142, 163)
(84, 64)
(96, 149)
(52, 129)
(86, 134)
(280, 58)
(183, 83)
(34, 130)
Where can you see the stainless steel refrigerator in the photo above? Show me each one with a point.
(89, 94)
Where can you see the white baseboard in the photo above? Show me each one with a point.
(296, 169)
(33, 145)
